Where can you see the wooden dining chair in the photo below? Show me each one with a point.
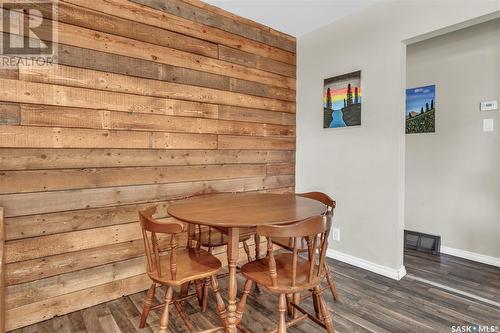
(288, 243)
(289, 273)
(174, 268)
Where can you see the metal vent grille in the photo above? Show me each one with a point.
(422, 242)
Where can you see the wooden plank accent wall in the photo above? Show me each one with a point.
(152, 101)
(2, 272)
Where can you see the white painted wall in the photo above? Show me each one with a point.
(452, 176)
(363, 167)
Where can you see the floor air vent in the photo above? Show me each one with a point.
(422, 242)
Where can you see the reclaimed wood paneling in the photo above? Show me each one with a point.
(2, 271)
(152, 101)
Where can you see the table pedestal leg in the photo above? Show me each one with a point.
(232, 258)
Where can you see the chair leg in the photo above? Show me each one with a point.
(205, 296)
(249, 257)
(331, 284)
(327, 319)
(315, 296)
(240, 308)
(296, 300)
(147, 305)
(164, 316)
(199, 291)
(247, 251)
(282, 311)
(289, 307)
(184, 290)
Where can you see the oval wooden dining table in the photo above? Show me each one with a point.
(242, 210)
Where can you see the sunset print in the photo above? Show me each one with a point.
(342, 98)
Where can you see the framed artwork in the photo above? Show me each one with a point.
(421, 110)
(342, 101)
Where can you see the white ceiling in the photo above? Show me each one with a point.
(294, 17)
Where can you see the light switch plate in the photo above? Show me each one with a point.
(488, 125)
(488, 106)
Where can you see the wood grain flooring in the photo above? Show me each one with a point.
(369, 303)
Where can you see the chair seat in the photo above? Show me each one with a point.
(214, 238)
(258, 271)
(192, 264)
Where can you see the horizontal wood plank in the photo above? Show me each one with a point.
(56, 137)
(60, 222)
(248, 142)
(281, 169)
(44, 246)
(65, 179)
(9, 114)
(48, 94)
(31, 270)
(35, 291)
(253, 115)
(29, 159)
(101, 119)
(9, 73)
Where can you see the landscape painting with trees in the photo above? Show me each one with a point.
(420, 110)
(342, 101)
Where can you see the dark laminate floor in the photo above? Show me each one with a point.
(369, 303)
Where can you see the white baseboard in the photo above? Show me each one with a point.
(395, 274)
(471, 256)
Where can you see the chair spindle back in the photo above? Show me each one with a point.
(314, 230)
(151, 228)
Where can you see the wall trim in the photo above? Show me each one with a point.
(393, 273)
(494, 261)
